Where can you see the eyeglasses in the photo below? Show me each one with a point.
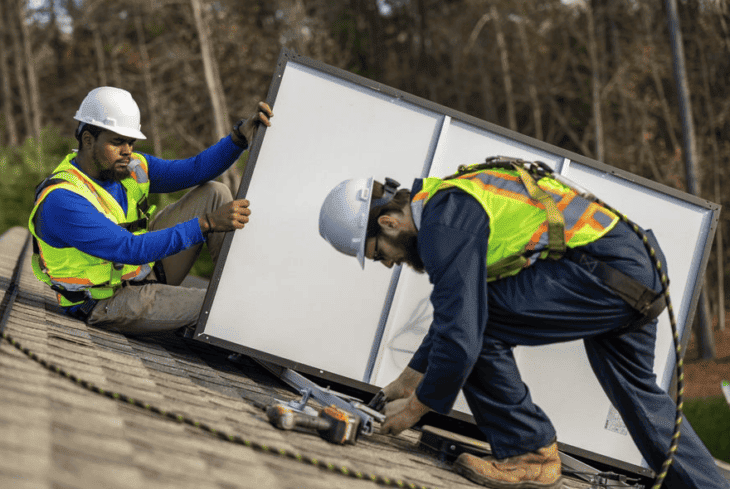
(377, 256)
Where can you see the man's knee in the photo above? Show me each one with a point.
(218, 190)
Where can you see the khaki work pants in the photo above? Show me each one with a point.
(154, 307)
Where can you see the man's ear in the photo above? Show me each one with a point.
(87, 139)
(388, 221)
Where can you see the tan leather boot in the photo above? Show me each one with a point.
(533, 470)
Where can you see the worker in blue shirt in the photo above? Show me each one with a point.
(97, 243)
(511, 267)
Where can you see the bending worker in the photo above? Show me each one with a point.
(94, 242)
(517, 258)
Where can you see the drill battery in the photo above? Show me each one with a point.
(333, 424)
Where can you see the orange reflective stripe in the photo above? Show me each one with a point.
(525, 199)
(72, 280)
(595, 224)
(143, 162)
(45, 192)
(420, 196)
(586, 219)
(535, 239)
(132, 274)
(90, 186)
(503, 176)
(570, 232)
(567, 199)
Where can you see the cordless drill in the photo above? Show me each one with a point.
(333, 424)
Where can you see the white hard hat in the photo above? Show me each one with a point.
(113, 109)
(343, 219)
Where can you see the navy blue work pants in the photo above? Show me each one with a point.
(555, 301)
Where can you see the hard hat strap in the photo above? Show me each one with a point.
(390, 187)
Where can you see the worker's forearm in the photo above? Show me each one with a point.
(69, 220)
(456, 264)
(173, 175)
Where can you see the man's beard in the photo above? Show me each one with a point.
(114, 174)
(408, 242)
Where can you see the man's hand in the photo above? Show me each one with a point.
(230, 216)
(404, 386)
(261, 116)
(402, 414)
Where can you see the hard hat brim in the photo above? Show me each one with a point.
(122, 131)
(343, 217)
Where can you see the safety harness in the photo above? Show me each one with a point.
(89, 297)
(647, 302)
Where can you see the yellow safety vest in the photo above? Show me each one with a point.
(77, 276)
(520, 212)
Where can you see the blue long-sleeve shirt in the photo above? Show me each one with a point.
(452, 242)
(66, 219)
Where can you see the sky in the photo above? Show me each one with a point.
(63, 19)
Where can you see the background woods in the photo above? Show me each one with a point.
(594, 77)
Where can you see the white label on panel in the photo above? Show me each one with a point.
(614, 422)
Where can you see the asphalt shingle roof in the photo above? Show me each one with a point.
(57, 434)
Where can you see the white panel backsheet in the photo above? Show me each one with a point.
(283, 290)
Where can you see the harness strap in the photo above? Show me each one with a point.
(84, 310)
(555, 219)
(115, 278)
(640, 297)
(134, 226)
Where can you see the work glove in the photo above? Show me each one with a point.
(402, 414)
(404, 386)
(228, 217)
(244, 130)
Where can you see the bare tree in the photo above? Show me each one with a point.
(530, 62)
(656, 77)
(148, 83)
(717, 177)
(20, 79)
(595, 83)
(506, 73)
(704, 324)
(221, 118)
(10, 125)
(99, 50)
(461, 56)
(30, 69)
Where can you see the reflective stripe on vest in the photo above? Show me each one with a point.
(518, 223)
(71, 270)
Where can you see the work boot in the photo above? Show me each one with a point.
(533, 470)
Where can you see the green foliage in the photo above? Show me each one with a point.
(22, 168)
(204, 265)
(710, 418)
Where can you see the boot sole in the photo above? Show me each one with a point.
(491, 483)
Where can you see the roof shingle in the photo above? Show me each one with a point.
(56, 434)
